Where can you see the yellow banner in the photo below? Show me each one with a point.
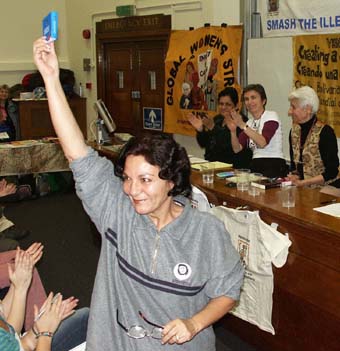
(199, 64)
(316, 63)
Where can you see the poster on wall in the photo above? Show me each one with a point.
(316, 63)
(199, 64)
(292, 17)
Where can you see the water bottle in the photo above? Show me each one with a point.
(99, 132)
(80, 90)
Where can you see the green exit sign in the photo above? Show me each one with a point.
(126, 10)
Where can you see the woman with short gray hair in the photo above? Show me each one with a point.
(312, 143)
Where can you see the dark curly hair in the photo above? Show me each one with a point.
(163, 151)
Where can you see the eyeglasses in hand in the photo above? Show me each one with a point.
(139, 332)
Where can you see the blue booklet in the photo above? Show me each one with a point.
(50, 26)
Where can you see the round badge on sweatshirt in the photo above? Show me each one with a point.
(182, 271)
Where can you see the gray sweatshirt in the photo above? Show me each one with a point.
(166, 274)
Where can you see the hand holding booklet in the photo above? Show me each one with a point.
(50, 26)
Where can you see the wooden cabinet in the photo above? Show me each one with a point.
(35, 121)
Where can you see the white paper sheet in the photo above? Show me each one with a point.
(332, 210)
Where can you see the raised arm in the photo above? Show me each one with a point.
(65, 125)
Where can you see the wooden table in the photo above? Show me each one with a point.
(306, 299)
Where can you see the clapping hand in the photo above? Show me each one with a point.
(68, 306)
(229, 122)
(53, 312)
(35, 251)
(21, 274)
(237, 118)
(195, 121)
(7, 188)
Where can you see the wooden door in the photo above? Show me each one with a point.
(135, 80)
(131, 67)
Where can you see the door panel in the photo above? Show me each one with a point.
(119, 83)
(151, 72)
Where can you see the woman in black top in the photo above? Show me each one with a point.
(214, 135)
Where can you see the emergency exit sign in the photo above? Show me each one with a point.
(125, 10)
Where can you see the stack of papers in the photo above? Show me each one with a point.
(193, 160)
(332, 210)
(211, 165)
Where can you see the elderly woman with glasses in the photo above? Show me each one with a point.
(166, 271)
(313, 145)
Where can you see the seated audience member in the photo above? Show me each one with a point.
(261, 133)
(313, 144)
(214, 135)
(8, 116)
(9, 233)
(45, 333)
(36, 292)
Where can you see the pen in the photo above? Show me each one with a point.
(328, 202)
(44, 309)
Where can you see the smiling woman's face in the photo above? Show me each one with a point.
(254, 103)
(147, 192)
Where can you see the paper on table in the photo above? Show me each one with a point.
(211, 165)
(194, 160)
(332, 210)
(80, 347)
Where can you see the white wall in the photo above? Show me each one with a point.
(20, 24)
(76, 15)
(270, 63)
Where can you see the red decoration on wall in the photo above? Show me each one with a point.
(86, 34)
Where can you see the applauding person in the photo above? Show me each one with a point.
(261, 133)
(214, 134)
(41, 336)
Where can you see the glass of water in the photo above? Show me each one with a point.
(242, 179)
(207, 175)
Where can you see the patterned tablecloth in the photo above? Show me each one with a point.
(31, 157)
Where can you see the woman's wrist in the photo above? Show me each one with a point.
(38, 334)
(44, 333)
